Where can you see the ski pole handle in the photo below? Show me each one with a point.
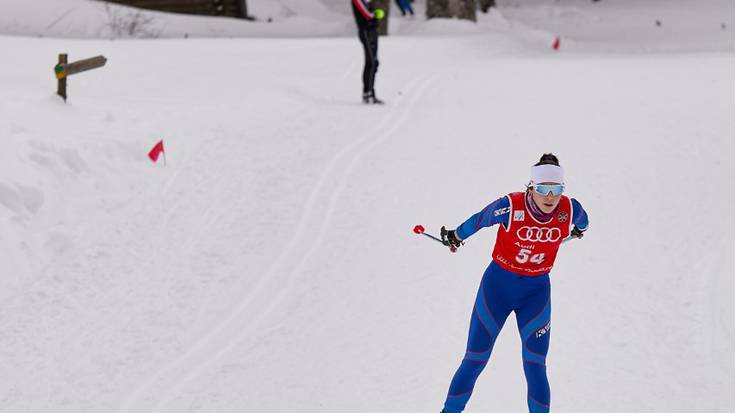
(418, 229)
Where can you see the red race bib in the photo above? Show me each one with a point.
(528, 247)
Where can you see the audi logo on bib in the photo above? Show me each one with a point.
(536, 234)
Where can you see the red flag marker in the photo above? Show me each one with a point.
(156, 151)
(557, 43)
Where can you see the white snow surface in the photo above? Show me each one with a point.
(269, 265)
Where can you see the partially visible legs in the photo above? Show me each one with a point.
(491, 309)
(405, 6)
(373, 40)
(401, 8)
(369, 41)
(534, 325)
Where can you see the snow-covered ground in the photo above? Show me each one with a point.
(270, 264)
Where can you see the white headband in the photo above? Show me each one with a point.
(547, 173)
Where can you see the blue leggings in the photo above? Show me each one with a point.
(500, 293)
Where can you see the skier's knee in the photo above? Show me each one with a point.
(473, 367)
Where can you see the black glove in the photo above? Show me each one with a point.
(576, 232)
(449, 238)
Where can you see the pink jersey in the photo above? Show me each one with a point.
(527, 246)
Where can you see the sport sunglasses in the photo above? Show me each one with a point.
(545, 190)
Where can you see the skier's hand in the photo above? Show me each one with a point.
(450, 239)
(576, 232)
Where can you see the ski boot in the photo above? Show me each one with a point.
(369, 98)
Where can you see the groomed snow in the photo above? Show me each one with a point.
(270, 264)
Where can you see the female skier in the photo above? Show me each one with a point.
(534, 224)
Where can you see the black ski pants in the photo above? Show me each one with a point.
(369, 40)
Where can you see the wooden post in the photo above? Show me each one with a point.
(61, 89)
(64, 69)
(83, 65)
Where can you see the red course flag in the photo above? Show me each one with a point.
(156, 151)
(557, 43)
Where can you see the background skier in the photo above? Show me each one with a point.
(367, 18)
(405, 7)
(517, 279)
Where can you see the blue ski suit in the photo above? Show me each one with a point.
(501, 292)
(405, 7)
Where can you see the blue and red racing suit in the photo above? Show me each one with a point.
(517, 279)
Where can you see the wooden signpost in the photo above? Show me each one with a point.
(64, 69)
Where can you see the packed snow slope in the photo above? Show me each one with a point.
(269, 265)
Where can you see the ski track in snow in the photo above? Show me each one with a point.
(273, 286)
(166, 298)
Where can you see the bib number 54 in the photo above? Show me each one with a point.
(524, 256)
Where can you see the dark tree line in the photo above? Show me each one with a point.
(462, 9)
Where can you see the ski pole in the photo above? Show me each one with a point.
(418, 229)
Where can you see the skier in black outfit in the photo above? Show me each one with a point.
(367, 17)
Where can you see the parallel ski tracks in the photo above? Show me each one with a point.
(271, 289)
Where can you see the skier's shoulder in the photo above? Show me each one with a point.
(361, 3)
(515, 198)
(576, 205)
(581, 219)
(498, 207)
